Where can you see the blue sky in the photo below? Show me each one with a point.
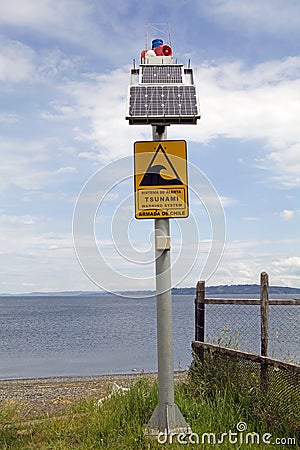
(64, 75)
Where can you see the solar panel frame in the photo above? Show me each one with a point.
(161, 74)
(176, 103)
(149, 102)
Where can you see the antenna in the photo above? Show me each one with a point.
(160, 29)
(169, 34)
(147, 30)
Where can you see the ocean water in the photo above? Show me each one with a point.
(70, 336)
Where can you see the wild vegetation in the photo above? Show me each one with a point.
(207, 400)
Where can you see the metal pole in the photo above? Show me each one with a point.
(166, 417)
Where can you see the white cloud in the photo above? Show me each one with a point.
(244, 260)
(26, 164)
(17, 220)
(288, 214)
(45, 15)
(59, 112)
(226, 201)
(18, 166)
(16, 62)
(287, 270)
(251, 219)
(102, 99)
(272, 16)
(262, 103)
(25, 12)
(67, 169)
(84, 24)
(259, 103)
(286, 160)
(235, 75)
(31, 255)
(287, 263)
(20, 63)
(240, 103)
(53, 62)
(8, 118)
(29, 236)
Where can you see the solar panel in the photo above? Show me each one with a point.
(177, 104)
(162, 93)
(162, 74)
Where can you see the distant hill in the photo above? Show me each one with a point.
(234, 289)
(242, 289)
(57, 294)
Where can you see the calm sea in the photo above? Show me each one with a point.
(65, 336)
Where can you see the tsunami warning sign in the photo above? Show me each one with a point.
(160, 179)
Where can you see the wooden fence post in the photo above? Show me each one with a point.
(200, 311)
(264, 327)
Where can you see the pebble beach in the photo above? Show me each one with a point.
(51, 395)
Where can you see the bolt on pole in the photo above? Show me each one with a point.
(166, 416)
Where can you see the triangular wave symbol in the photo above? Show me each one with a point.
(153, 175)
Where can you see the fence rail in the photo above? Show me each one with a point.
(272, 379)
(238, 354)
(270, 386)
(264, 302)
(248, 301)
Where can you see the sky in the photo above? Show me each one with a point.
(66, 213)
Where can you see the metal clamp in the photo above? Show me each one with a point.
(163, 242)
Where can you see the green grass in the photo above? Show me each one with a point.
(120, 422)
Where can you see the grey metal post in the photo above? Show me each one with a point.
(166, 416)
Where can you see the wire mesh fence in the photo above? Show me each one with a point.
(284, 332)
(233, 341)
(270, 387)
(238, 326)
(269, 327)
(233, 326)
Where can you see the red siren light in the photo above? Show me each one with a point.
(158, 49)
(163, 50)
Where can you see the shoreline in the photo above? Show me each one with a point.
(66, 377)
(56, 394)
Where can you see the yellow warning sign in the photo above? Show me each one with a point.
(160, 179)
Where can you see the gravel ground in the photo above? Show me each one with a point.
(52, 395)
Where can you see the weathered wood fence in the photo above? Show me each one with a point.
(264, 302)
(199, 345)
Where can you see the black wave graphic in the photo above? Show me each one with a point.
(153, 177)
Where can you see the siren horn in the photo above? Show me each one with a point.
(163, 50)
